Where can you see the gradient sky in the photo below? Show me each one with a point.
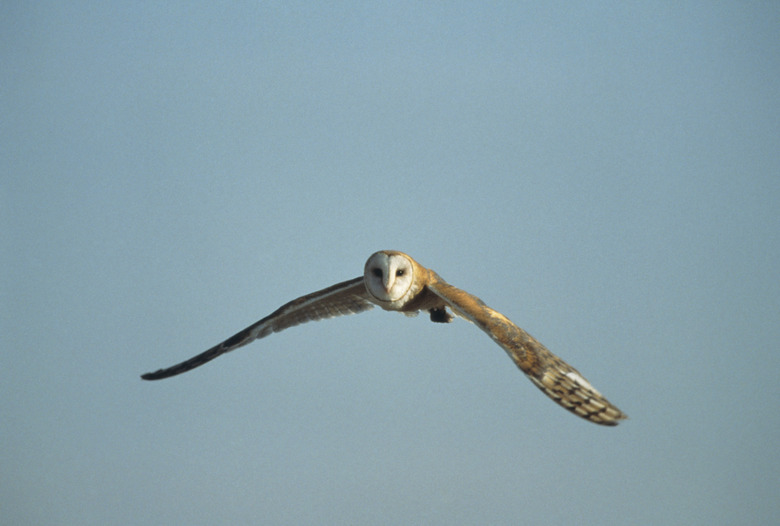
(607, 175)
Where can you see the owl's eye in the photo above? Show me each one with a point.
(376, 272)
(400, 272)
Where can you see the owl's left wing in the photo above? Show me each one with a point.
(348, 297)
(557, 379)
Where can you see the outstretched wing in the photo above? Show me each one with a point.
(348, 297)
(557, 379)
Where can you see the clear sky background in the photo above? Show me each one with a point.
(605, 174)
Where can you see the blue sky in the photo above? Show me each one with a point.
(606, 175)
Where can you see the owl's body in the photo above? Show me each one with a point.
(396, 282)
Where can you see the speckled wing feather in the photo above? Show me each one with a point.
(557, 379)
(348, 297)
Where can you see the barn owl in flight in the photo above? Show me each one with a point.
(396, 282)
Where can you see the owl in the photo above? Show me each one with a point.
(396, 282)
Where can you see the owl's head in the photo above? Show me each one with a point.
(389, 275)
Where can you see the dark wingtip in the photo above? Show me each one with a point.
(152, 376)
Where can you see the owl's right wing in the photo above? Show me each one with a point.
(348, 297)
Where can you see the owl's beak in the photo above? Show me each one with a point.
(388, 284)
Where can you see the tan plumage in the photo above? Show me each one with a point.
(396, 282)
